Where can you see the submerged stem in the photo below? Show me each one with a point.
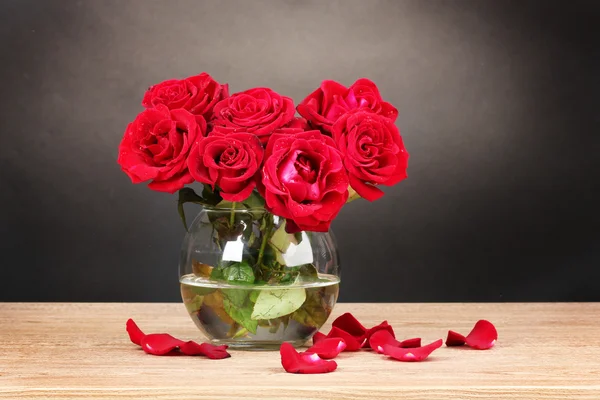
(265, 237)
(232, 216)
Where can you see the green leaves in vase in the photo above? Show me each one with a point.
(188, 195)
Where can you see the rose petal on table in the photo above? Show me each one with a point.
(211, 351)
(317, 337)
(381, 338)
(352, 343)
(160, 344)
(382, 326)
(411, 354)
(328, 348)
(303, 363)
(483, 336)
(455, 339)
(349, 324)
(410, 343)
(135, 333)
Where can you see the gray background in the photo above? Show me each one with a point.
(498, 106)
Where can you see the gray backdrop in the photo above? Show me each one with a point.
(498, 106)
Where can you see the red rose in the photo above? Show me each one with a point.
(197, 94)
(329, 102)
(373, 151)
(156, 146)
(304, 180)
(259, 111)
(229, 162)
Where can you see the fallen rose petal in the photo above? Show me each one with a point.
(455, 339)
(410, 343)
(303, 363)
(211, 351)
(382, 326)
(160, 344)
(411, 354)
(381, 338)
(352, 343)
(348, 323)
(483, 336)
(317, 337)
(135, 333)
(328, 348)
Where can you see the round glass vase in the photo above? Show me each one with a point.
(247, 283)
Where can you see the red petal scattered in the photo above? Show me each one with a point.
(192, 348)
(410, 343)
(411, 354)
(135, 333)
(483, 336)
(328, 348)
(352, 343)
(349, 324)
(318, 337)
(380, 338)
(303, 363)
(160, 344)
(455, 339)
(382, 326)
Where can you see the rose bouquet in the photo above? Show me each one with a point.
(270, 180)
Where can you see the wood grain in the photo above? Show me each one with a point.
(81, 351)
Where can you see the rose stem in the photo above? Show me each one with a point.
(263, 244)
(232, 216)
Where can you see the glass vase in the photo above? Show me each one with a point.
(247, 283)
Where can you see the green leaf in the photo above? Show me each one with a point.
(239, 273)
(187, 195)
(314, 311)
(308, 271)
(352, 195)
(255, 200)
(217, 274)
(278, 256)
(280, 239)
(237, 305)
(194, 304)
(254, 295)
(275, 303)
(251, 238)
(297, 238)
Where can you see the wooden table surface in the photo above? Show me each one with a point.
(81, 351)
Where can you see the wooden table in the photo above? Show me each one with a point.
(81, 351)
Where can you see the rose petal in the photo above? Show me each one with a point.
(411, 354)
(317, 337)
(211, 351)
(160, 344)
(135, 334)
(352, 343)
(483, 336)
(382, 326)
(347, 322)
(303, 363)
(410, 343)
(455, 339)
(381, 338)
(328, 348)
